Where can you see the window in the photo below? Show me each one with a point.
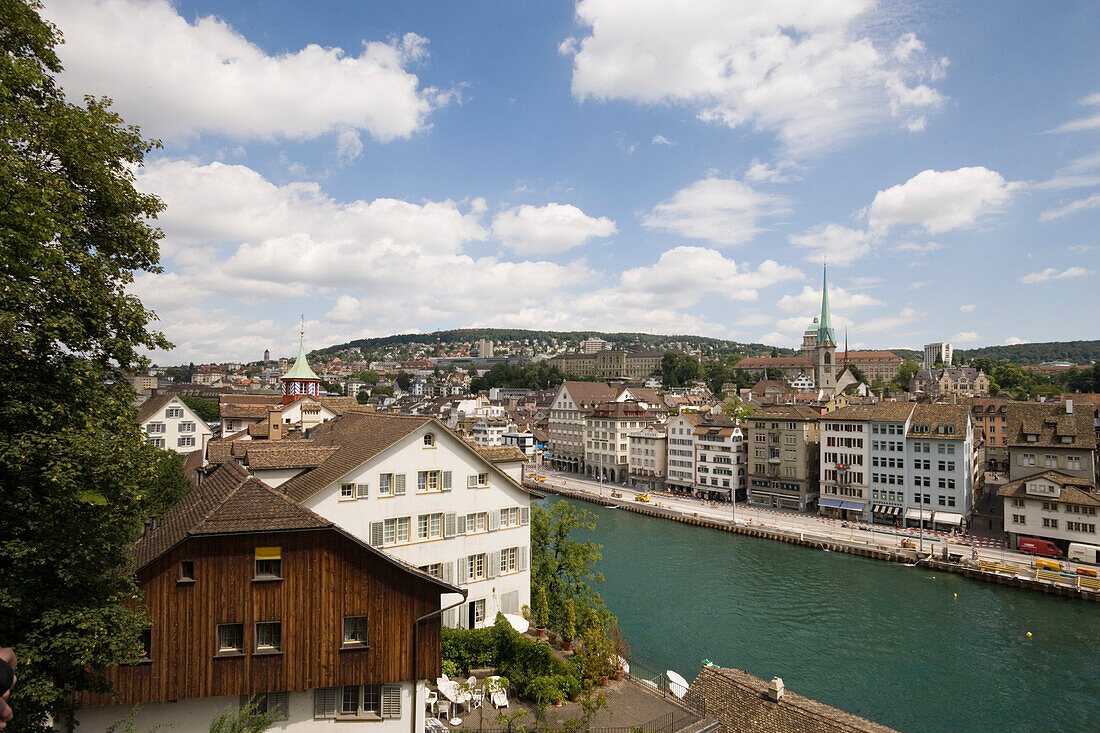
(269, 702)
(508, 560)
(187, 571)
(385, 480)
(1050, 506)
(230, 639)
(477, 480)
(436, 528)
(156, 442)
(479, 612)
(1019, 519)
(429, 440)
(475, 567)
(435, 570)
(355, 630)
(154, 428)
(429, 480)
(269, 563)
(1050, 523)
(347, 491)
(478, 522)
(509, 517)
(362, 700)
(1073, 463)
(269, 637)
(185, 441)
(1081, 527)
(187, 427)
(402, 529)
(395, 530)
(147, 642)
(172, 412)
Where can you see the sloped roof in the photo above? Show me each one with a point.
(152, 405)
(589, 393)
(941, 414)
(301, 369)
(877, 355)
(786, 412)
(1050, 423)
(500, 453)
(260, 454)
(893, 411)
(1074, 490)
(778, 362)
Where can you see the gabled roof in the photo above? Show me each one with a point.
(589, 393)
(500, 453)
(940, 414)
(786, 412)
(778, 362)
(1050, 423)
(263, 454)
(889, 411)
(153, 405)
(1074, 490)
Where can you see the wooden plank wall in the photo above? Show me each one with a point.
(326, 576)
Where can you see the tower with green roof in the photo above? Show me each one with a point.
(819, 342)
(300, 381)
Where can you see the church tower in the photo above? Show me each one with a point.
(300, 380)
(824, 351)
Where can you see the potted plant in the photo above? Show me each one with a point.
(569, 626)
(573, 689)
(620, 648)
(541, 611)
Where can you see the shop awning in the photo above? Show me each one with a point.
(948, 518)
(923, 514)
(890, 511)
(831, 503)
(853, 505)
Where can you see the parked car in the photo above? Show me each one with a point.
(1039, 546)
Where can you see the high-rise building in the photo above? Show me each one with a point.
(939, 352)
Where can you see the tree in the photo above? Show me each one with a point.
(906, 370)
(858, 373)
(244, 719)
(207, 410)
(737, 408)
(76, 476)
(370, 377)
(878, 386)
(362, 397)
(678, 370)
(563, 566)
(404, 381)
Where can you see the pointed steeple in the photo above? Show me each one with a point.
(300, 380)
(825, 325)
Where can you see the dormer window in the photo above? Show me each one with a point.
(429, 440)
(1032, 438)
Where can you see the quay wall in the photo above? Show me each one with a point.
(825, 542)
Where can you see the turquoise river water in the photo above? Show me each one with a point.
(881, 640)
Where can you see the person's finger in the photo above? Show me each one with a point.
(5, 713)
(7, 654)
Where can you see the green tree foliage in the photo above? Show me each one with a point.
(858, 373)
(723, 369)
(906, 370)
(207, 410)
(537, 375)
(563, 565)
(363, 397)
(244, 719)
(404, 381)
(333, 387)
(370, 377)
(737, 408)
(878, 386)
(76, 477)
(678, 370)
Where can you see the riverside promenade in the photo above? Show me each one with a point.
(973, 557)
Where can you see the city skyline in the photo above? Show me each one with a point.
(520, 166)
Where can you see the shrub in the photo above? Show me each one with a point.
(569, 625)
(468, 648)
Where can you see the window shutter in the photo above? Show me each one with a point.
(391, 701)
(463, 570)
(361, 491)
(449, 618)
(521, 559)
(449, 524)
(494, 521)
(376, 534)
(324, 702)
(494, 564)
(278, 703)
(399, 484)
(524, 515)
(446, 481)
(471, 481)
(448, 572)
(460, 524)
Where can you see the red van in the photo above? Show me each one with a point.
(1036, 546)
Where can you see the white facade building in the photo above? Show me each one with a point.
(939, 352)
(169, 423)
(1051, 505)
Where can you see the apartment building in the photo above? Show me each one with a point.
(720, 459)
(681, 452)
(1044, 436)
(571, 405)
(1052, 505)
(610, 363)
(606, 429)
(950, 380)
(783, 445)
(990, 417)
(941, 469)
(169, 423)
(647, 457)
(937, 353)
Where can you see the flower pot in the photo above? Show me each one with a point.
(618, 675)
(574, 697)
(567, 646)
(603, 682)
(557, 703)
(541, 632)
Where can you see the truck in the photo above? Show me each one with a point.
(1039, 546)
(1084, 553)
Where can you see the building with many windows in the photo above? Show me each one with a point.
(941, 468)
(783, 451)
(569, 409)
(605, 438)
(647, 457)
(937, 353)
(990, 417)
(681, 452)
(1052, 505)
(720, 468)
(1044, 436)
(610, 363)
(169, 423)
(950, 380)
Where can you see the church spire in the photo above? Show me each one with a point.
(825, 326)
(300, 380)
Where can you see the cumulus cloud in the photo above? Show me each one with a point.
(690, 272)
(841, 245)
(1013, 340)
(1089, 122)
(801, 69)
(1052, 274)
(942, 201)
(548, 229)
(965, 337)
(1091, 202)
(761, 172)
(918, 247)
(968, 308)
(809, 301)
(661, 140)
(178, 79)
(723, 211)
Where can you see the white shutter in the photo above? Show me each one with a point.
(471, 481)
(376, 534)
(521, 559)
(324, 702)
(494, 564)
(399, 484)
(449, 524)
(448, 572)
(361, 491)
(460, 524)
(391, 701)
(463, 570)
(449, 618)
(524, 515)
(446, 484)
(494, 521)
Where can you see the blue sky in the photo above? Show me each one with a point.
(668, 167)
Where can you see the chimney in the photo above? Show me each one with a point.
(776, 689)
(1069, 407)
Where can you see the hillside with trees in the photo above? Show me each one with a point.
(1075, 352)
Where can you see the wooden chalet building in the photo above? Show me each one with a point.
(251, 594)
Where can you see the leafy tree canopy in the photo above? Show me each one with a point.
(563, 565)
(207, 410)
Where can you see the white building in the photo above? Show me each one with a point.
(169, 423)
(490, 431)
(412, 487)
(721, 470)
(1051, 505)
(606, 429)
(939, 352)
(681, 452)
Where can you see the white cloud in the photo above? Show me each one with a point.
(809, 301)
(968, 308)
(889, 324)
(941, 201)
(548, 229)
(348, 146)
(723, 211)
(841, 245)
(690, 272)
(801, 69)
(1052, 274)
(965, 337)
(1091, 122)
(1092, 202)
(1082, 248)
(759, 171)
(1013, 340)
(661, 140)
(178, 79)
(919, 247)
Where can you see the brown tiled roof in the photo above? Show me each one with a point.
(152, 405)
(263, 454)
(896, 411)
(1050, 423)
(1074, 490)
(787, 412)
(778, 362)
(940, 414)
(219, 450)
(589, 393)
(500, 453)
(878, 355)
(260, 429)
(643, 394)
(251, 400)
(740, 702)
(244, 412)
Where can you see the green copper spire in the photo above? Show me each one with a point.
(825, 326)
(301, 369)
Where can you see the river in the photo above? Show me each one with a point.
(907, 647)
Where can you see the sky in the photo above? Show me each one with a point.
(663, 167)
